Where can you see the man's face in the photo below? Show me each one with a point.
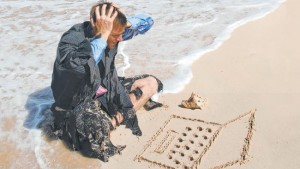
(115, 36)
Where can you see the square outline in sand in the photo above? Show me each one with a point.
(170, 136)
(241, 160)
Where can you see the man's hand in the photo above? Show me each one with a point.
(119, 118)
(128, 24)
(104, 23)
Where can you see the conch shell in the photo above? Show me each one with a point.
(194, 102)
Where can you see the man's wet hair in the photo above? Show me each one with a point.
(120, 19)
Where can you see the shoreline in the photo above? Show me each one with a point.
(254, 69)
(186, 63)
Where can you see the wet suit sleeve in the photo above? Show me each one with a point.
(140, 24)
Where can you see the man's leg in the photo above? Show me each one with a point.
(148, 86)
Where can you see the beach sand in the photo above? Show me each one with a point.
(251, 119)
(257, 68)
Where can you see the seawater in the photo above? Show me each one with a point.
(183, 32)
(30, 31)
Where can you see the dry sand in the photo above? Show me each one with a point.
(257, 68)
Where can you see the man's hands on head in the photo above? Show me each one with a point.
(122, 11)
(103, 24)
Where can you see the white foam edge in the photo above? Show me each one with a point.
(126, 63)
(37, 149)
(186, 63)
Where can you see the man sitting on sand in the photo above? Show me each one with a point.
(90, 98)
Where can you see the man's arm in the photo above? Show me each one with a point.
(102, 26)
(98, 45)
(74, 49)
(138, 24)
